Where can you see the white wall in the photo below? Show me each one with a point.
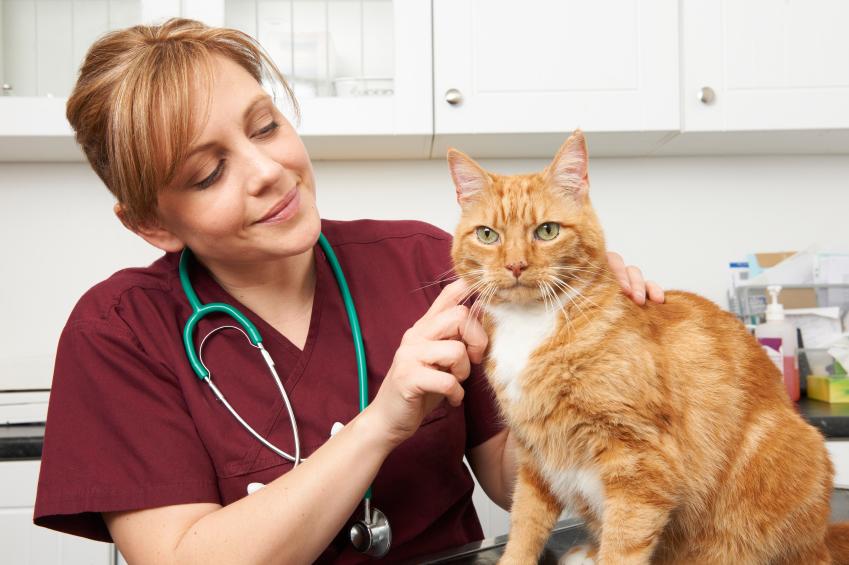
(680, 219)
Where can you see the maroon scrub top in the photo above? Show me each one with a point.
(130, 426)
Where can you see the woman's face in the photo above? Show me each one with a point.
(246, 193)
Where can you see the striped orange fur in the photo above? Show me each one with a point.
(664, 426)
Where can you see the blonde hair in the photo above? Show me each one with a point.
(132, 111)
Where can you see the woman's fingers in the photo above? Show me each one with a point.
(449, 355)
(638, 284)
(447, 319)
(432, 381)
(655, 292)
(456, 322)
(617, 265)
(450, 296)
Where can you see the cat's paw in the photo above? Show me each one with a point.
(580, 555)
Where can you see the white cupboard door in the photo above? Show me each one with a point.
(770, 65)
(539, 66)
(23, 543)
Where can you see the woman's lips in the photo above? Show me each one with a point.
(284, 210)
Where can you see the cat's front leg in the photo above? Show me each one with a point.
(632, 525)
(532, 517)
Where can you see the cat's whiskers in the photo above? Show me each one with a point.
(436, 282)
(555, 300)
(443, 277)
(484, 288)
(578, 293)
(597, 271)
(480, 304)
(544, 295)
(474, 287)
(554, 295)
(585, 300)
(572, 293)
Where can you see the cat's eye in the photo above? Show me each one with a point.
(547, 231)
(486, 235)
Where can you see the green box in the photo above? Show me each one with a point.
(834, 390)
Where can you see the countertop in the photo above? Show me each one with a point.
(565, 535)
(21, 441)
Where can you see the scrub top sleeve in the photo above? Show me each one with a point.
(119, 435)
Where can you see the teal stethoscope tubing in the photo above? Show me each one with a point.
(200, 310)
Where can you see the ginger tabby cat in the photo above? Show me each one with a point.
(664, 426)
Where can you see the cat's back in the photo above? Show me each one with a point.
(690, 320)
(696, 337)
(682, 307)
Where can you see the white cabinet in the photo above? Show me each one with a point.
(545, 68)
(764, 73)
(23, 543)
(772, 65)
(42, 44)
(361, 68)
(497, 78)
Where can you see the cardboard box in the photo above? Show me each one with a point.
(789, 297)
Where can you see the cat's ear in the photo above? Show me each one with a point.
(568, 171)
(469, 177)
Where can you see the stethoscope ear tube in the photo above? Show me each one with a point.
(296, 459)
(200, 310)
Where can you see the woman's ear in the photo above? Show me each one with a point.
(153, 233)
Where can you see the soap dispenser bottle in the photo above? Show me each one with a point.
(777, 326)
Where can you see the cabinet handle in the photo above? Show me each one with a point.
(707, 95)
(454, 97)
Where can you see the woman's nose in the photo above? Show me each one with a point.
(263, 170)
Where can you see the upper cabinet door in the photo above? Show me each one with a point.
(540, 66)
(361, 70)
(765, 65)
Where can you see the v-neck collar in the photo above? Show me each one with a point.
(275, 342)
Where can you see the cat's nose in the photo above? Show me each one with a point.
(516, 268)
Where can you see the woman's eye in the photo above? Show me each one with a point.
(547, 231)
(210, 180)
(268, 129)
(486, 235)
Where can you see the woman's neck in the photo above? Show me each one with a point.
(281, 293)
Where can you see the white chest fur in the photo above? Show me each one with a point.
(519, 331)
(568, 484)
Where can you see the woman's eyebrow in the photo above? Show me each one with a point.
(250, 108)
(254, 103)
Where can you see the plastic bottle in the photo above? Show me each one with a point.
(739, 273)
(777, 326)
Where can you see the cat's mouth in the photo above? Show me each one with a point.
(518, 291)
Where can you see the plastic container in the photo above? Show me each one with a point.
(739, 272)
(777, 326)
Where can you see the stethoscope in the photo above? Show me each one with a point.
(371, 535)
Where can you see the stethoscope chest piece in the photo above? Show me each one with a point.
(372, 537)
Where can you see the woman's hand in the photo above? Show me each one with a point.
(631, 280)
(433, 359)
